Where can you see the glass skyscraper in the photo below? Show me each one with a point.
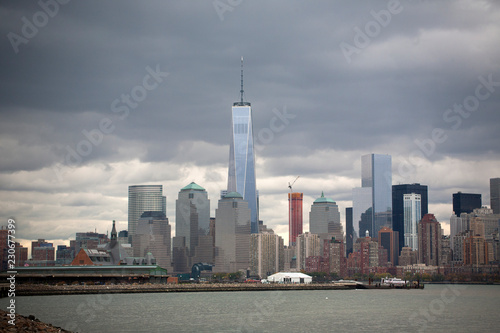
(241, 175)
(398, 192)
(412, 215)
(142, 198)
(372, 203)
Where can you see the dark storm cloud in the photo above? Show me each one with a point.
(77, 71)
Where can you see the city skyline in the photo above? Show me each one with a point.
(92, 106)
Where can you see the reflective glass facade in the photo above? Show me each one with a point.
(412, 215)
(376, 173)
(361, 212)
(241, 177)
(142, 198)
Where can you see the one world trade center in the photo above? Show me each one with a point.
(241, 175)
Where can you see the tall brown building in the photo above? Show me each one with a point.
(295, 216)
(429, 240)
(389, 240)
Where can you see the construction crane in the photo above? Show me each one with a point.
(290, 185)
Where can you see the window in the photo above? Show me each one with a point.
(235, 204)
(191, 195)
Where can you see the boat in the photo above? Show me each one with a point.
(393, 282)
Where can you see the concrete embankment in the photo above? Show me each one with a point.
(39, 290)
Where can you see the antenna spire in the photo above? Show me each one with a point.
(241, 103)
(241, 91)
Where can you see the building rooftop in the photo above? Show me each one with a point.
(233, 195)
(193, 186)
(323, 199)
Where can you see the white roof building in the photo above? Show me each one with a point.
(289, 277)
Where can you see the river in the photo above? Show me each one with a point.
(446, 308)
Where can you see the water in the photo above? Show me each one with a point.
(450, 308)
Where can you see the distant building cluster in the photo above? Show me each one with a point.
(388, 229)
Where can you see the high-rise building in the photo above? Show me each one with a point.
(241, 174)
(412, 204)
(266, 254)
(232, 238)
(295, 222)
(143, 198)
(153, 234)
(398, 192)
(307, 245)
(361, 212)
(388, 239)
(372, 203)
(429, 240)
(348, 230)
(42, 253)
(376, 172)
(192, 221)
(324, 219)
(495, 195)
(465, 202)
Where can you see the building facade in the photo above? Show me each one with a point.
(324, 219)
(266, 254)
(465, 202)
(295, 217)
(241, 174)
(192, 221)
(232, 238)
(495, 195)
(307, 245)
(398, 192)
(142, 198)
(429, 240)
(153, 234)
(412, 204)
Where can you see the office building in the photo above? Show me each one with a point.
(495, 195)
(398, 192)
(348, 230)
(143, 198)
(42, 253)
(64, 255)
(362, 217)
(412, 204)
(429, 240)
(241, 174)
(295, 216)
(465, 202)
(232, 238)
(324, 219)
(389, 240)
(376, 173)
(192, 221)
(153, 235)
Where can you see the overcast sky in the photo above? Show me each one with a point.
(99, 95)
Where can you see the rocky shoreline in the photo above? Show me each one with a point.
(39, 289)
(27, 324)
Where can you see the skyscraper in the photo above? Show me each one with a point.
(324, 219)
(295, 216)
(398, 192)
(412, 215)
(429, 241)
(376, 172)
(241, 174)
(388, 239)
(465, 202)
(372, 203)
(153, 235)
(142, 198)
(348, 230)
(192, 219)
(495, 195)
(232, 237)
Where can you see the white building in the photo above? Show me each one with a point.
(289, 277)
(412, 211)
